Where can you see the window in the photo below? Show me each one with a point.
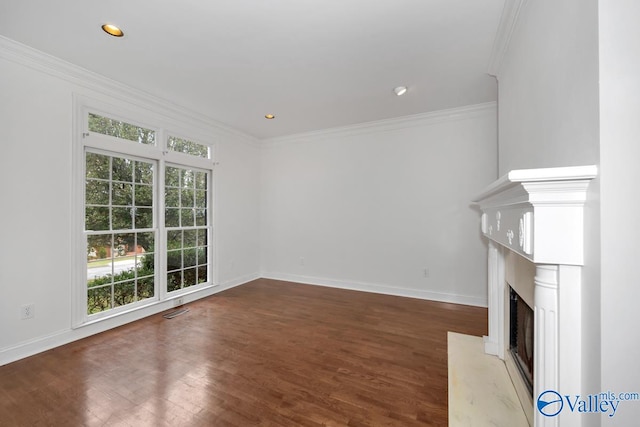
(188, 147)
(146, 228)
(186, 224)
(107, 126)
(119, 229)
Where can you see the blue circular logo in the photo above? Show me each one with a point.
(550, 403)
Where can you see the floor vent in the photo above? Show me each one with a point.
(175, 313)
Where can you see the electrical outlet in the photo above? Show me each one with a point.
(425, 272)
(178, 302)
(232, 264)
(27, 311)
(302, 261)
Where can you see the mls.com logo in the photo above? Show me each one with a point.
(550, 403)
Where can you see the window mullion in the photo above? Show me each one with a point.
(161, 256)
(185, 160)
(114, 145)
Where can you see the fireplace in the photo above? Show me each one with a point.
(533, 221)
(521, 337)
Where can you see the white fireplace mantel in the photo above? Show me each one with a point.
(538, 214)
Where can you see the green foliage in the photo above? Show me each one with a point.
(185, 197)
(188, 147)
(102, 252)
(147, 263)
(124, 287)
(118, 194)
(107, 126)
(186, 268)
(181, 267)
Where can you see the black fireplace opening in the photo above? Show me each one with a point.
(521, 336)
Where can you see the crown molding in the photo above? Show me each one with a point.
(19, 53)
(423, 119)
(508, 21)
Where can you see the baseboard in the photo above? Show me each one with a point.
(379, 289)
(56, 339)
(241, 280)
(490, 347)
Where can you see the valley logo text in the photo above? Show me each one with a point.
(550, 403)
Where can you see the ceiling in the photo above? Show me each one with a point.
(314, 64)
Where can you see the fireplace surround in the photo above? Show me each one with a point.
(535, 217)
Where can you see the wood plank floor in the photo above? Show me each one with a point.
(266, 353)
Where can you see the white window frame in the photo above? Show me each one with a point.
(95, 142)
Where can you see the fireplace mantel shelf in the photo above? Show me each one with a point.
(538, 213)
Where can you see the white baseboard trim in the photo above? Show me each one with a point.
(56, 339)
(379, 289)
(490, 347)
(241, 280)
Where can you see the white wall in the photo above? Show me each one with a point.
(237, 211)
(548, 116)
(35, 171)
(36, 252)
(619, 156)
(370, 207)
(548, 97)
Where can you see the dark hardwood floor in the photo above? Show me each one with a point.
(266, 353)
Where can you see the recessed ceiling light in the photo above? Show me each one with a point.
(112, 30)
(400, 90)
(269, 116)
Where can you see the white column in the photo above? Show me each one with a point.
(570, 338)
(494, 342)
(545, 358)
